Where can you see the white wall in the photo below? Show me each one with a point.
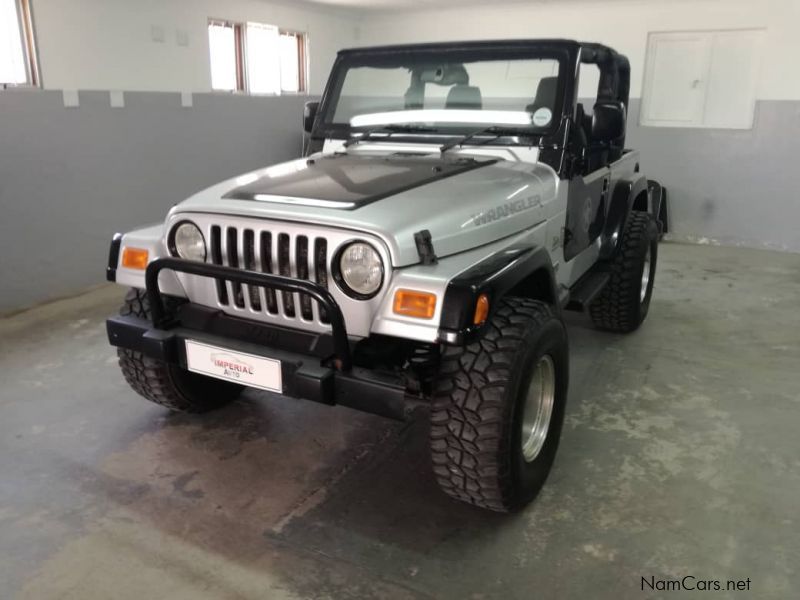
(107, 45)
(622, 24)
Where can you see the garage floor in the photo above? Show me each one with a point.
(680, 456)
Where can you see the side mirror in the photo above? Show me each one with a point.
(309, 114)
(608, 121)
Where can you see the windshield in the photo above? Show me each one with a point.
(446, 92)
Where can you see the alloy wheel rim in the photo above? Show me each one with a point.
(538, 408)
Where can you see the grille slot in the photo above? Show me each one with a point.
(253, 291)
(321, 270)
(216, 258)
(301, 261)
(233, 261)
(266, 266)
(285, 269)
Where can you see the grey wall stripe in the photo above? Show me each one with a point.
(731, 187)
(71, 177)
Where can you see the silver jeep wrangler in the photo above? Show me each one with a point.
(454, 199)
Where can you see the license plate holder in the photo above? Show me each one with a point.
(231, 365)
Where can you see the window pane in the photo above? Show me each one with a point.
(222, 45)
(263, 63)
(12, 53)
(290, 62)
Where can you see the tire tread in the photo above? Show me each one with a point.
(617, 308)
(154, 379)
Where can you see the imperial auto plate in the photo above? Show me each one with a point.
(238, 367)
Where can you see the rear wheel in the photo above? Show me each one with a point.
(169, 385)
(498, 408)
(623, 304)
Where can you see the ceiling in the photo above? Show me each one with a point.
(407, 4)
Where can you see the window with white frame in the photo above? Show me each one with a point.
(224, 44)
(17, 50)
(293, 61)
(263, 59)
(256, 58)
(701, 79)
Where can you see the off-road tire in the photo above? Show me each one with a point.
(476, 432)
(620, 307)
(169, 385)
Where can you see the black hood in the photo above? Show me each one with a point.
(352, 180)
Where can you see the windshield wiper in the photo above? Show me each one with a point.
(493, 130)
(396, 128)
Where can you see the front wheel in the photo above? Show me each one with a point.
(169, 385)
(498, 408)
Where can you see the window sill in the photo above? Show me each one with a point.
(19, 86)
(252, 95)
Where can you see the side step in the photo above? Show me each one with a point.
(586, 290)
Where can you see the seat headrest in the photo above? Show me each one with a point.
(464, 97)
(444, 74)
(414, 97)
(546, 92)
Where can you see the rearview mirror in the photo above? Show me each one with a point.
(309, 114)
(608, 121)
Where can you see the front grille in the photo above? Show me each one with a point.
(270, 252)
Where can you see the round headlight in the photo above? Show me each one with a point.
(188, 242)
(360, 270)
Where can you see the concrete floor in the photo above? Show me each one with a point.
(680, 456)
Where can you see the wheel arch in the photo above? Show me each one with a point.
(538, 285)
(642, 202)
(523, 270)
(629, 194)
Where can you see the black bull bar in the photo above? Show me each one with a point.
(279, 282)
(304, 372)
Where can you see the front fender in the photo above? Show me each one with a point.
(494, 276)
(457, 281)
(149, 238)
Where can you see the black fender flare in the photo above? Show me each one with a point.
(113, 257)
(493, 276)
(620, 205)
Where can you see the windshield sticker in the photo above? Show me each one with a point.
(542, 117)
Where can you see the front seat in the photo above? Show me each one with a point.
(545, 94)
(464, 97)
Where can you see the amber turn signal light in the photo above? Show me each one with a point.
(134, 258)
(481, 310)
(411, 303)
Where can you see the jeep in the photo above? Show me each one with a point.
(452, 200)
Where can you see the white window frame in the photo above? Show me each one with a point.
(239, 66)
(302, 62)
(28, 42)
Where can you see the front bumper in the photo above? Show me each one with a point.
(314, 366)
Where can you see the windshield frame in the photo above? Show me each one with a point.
(561, 51)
